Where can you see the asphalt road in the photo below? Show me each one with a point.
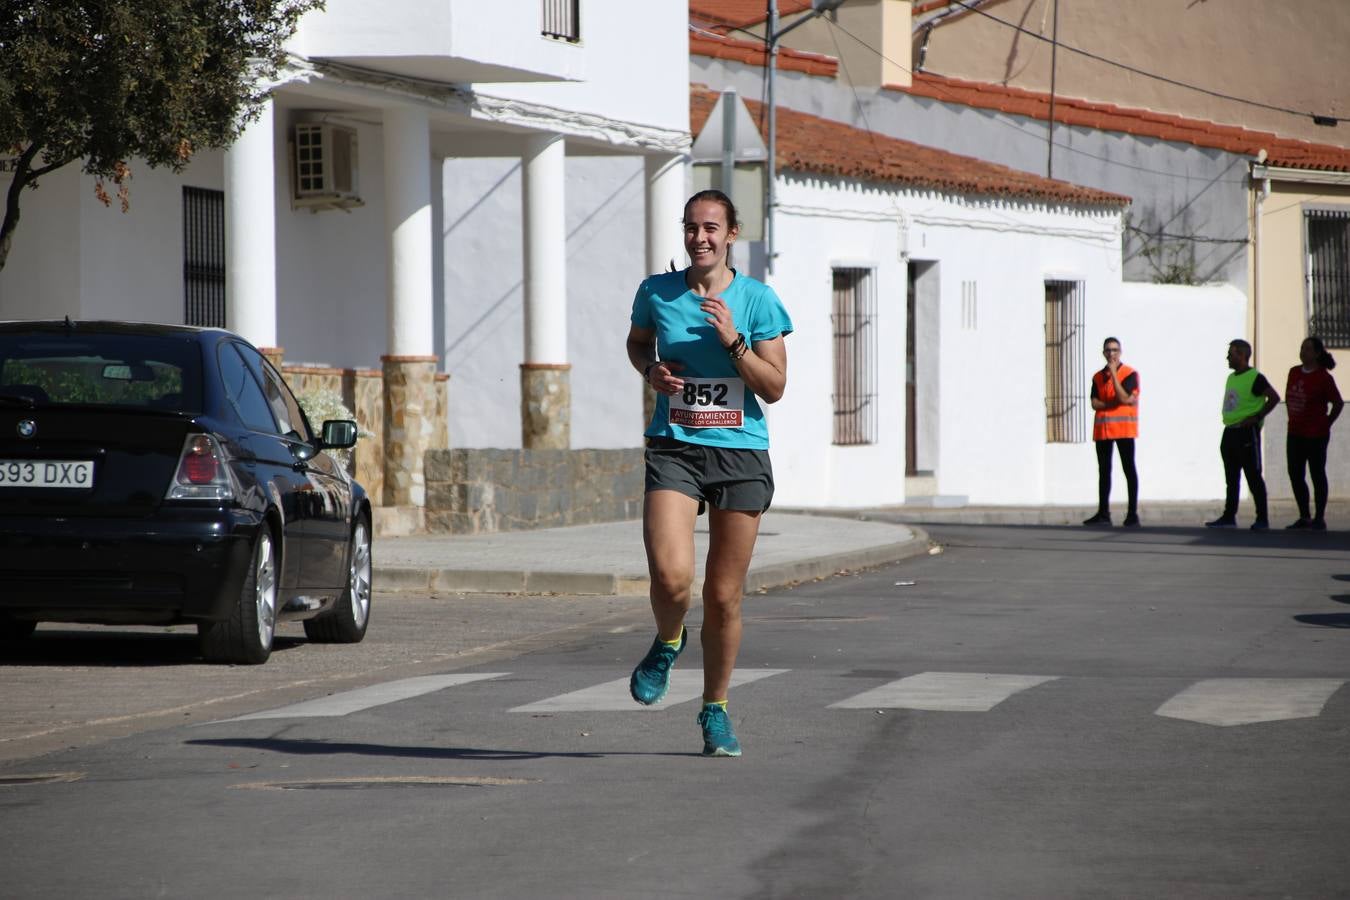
(1034, 713)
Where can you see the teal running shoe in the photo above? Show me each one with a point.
(718, 738)
(651, 678)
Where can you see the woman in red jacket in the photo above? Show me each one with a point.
(1313, 403)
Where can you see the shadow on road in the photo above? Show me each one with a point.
(1273, 544)
(316, 748)
(1326, 620)
(112, 648)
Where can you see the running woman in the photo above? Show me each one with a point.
(709, 341)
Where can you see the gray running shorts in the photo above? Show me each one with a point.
(726, 477)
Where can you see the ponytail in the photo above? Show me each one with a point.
(1324, 359)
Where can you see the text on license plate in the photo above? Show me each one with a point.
(46, 473)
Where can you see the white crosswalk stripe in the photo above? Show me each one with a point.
(944, 692)
(367, 697)
(1214, 701)
(1245, 701)
(685, 685)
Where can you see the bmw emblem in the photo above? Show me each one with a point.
(27, 428)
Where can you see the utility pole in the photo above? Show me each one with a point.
(772, 35)
(1050, 132)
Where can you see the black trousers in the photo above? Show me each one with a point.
(1312, 453)
(1241, 452)
(1126, 446)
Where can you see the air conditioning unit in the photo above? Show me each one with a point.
(323, 167)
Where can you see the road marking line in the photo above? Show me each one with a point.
(613, 695)
(944, 692)
(1245, 701)
(367, 697)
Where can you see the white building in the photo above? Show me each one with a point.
(495, 196)
(949, 316)
(339, 228)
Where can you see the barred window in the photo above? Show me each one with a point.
(1328, 275)
(203, 257)
(562, 20)
(1065, 391)
(855, 353)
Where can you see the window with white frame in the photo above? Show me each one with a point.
(1065, 393)
(1327, 238)
(854, 321)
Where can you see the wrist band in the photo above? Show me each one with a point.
(737, 350)
(647, 372)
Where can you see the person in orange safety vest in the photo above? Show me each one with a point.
(1115, 397)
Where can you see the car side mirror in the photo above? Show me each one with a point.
(338, 434)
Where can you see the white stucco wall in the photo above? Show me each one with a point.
(824, 225)
(637, 66)
(1177, 337)
(990, 404)
(445, 40)
(131, 264)
(484, 299)
(74, 256)
(41, 278)
(331, 264)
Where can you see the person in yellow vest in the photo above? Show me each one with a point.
(1247, 399)
(1115, 397)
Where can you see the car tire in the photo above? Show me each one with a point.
(346, 622)
(15, 629)
(246, 636)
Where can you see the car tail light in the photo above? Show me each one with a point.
(202, 473)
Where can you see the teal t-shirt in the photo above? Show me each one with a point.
(715, 408)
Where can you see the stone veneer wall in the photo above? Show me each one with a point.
(481, 491)
(362, 391)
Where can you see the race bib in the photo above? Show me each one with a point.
(709, 403)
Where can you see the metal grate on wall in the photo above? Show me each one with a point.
(1327, 238)
(854, 322)
(562, 20)
(203, 257)
(1065, 378)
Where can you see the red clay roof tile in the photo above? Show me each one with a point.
(741, 13)
(703, 43)
(814, 145)
(1281, 151)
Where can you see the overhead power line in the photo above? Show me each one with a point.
(1317, 118)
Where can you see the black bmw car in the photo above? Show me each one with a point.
(161, 474)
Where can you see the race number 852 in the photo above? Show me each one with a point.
(695, 394)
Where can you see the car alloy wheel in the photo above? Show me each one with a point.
(358, 578)
(265, 590)
(346, 622)
(245, 636)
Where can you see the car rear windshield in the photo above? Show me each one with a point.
(159, 372)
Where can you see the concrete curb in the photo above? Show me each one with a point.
(824, 566)
(402, 579)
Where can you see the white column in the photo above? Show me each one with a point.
(407, 188)
(545, 250)
(250, 233)
(664, 188)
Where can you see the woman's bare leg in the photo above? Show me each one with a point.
(668, 533)
(731, 541)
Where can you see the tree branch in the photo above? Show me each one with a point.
(24, 176)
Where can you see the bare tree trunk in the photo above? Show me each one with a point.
(24, 176)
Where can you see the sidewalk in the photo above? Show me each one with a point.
(608, 558)
(1175, 514)
(794, 545)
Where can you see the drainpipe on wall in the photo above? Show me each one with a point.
(1261, 189)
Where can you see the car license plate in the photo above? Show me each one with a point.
(46, 473)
